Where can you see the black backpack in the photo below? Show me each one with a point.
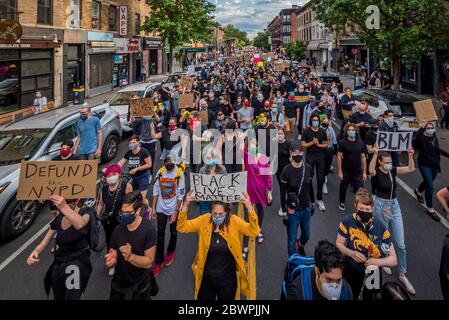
(94, 229)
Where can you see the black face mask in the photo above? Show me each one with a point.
(297, 158)
(375, 129)
(364, 216)
(169, 166)
(325, 125)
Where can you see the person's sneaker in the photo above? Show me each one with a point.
(169, 258)
(321, 205)
(341, 206)
(434, 216)
(387, 270)
(403, 279)
(325, 188)
(300, 249)
(282, 213)
(111, 272)
(260, 238)
(157, 268)
(245, 253)
(419, 197)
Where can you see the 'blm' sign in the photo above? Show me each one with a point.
(394, 141)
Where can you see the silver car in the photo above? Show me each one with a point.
(39, 138)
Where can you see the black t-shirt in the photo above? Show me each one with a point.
(213, 104)
(164, 95)
(141, 239)
(71, 158)
(166, 142)
(308, 136)
(292, 178)
(352, 152)
(444, 269)
(220, 263)
(266, 90)
(71, 239)
(290, 108)
(370, 138)
(356, 118)
(136, 160)
(382, 184)
(283, 155)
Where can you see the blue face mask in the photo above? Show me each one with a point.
(351, 134)
(212, 163)
(133, 146)
(315, 123)
(218, 220)
(83, 116)
(126, 219)
(362, 112)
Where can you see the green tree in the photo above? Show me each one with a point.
(261, 41)
(233, 32)
(406, 30)
(296, 50)
(180, 21)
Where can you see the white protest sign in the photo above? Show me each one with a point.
(191, 70)
(394, 141)
(227, 188)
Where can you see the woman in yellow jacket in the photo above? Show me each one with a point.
(219, 268)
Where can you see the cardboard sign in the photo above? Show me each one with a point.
(394, 141)
(204, 117)
(425, 110)
(186, 82)
(232, 60)
(142, 107)
(39, 180)
(186, 100)
(227, 188)
(280, 67)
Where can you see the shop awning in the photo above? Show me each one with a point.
(313, 45)
(351, 42)
(191, 49)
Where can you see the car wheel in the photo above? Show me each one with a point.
(18, 216)
(110, 148)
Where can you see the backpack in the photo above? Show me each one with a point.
(94, 229)
(298, 269)
(181, 169)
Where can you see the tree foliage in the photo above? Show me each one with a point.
(261, 41)
(296, 50)
(241, 36)
(407, 27)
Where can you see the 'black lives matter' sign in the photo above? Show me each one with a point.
(227, 188)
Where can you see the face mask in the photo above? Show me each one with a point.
(170, 166)
(133, 146)
(83, 116)
(155, 97)
(297, 158)
(331, 291)
(430, 131)
(220, 118)
(64, 152)
(172, 127)
(218, 220)
(389, 121)
(263, 123)
(325, 124)
(315, 123)
(364, 216)
(388, 166)
(239, 101)
(212, 163)
(260, 98)
(211, 96)
(281, 138)
(112, 180)
(38, 95)
(274, 110)
(351, 134)
(126, 219)
(362, 112)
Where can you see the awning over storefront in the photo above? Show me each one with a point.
(191, 49)
(313, 45)
(25, 43)
(351, 42)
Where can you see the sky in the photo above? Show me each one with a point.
(251, 16)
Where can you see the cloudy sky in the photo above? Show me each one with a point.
(251, 16)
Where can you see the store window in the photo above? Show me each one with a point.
(112, 18)
(75, 14)
(44, 11)
(100, 70)
(96, 13)
(137, 23)
(8, 9)
(9, 86)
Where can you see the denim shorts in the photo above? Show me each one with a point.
(141, 181)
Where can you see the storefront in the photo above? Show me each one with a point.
(26, 67)
(100, 60)
(354, 52)
(74, 62)
(127, 61)
(152, 56)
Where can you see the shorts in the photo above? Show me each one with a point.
(140, 182)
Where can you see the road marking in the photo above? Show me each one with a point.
(23, 247)
(30, 241)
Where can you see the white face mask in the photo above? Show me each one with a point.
(388, 166)
(38, 95)
(112, 180)
(331, 291)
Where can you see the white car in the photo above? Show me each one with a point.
(119, 101)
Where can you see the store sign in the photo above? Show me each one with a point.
(10, 31)
(125, 45)
(148, 44)
(118, 58)
(123, 20)
(100, 36)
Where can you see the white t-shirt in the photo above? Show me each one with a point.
(169, 192)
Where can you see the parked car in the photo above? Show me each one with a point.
(328, 78)
(401, 103)
(173, 79)
(120, 100)
(39, 138)
(8, 91)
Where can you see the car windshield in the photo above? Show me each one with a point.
(8, 83)
(123, 97)
(17, 145)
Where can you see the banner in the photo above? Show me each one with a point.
(186, 82)
(425, 111)
(39, 180)
(142, 107)
(227, 188)
(394, 141)
(186, 100)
